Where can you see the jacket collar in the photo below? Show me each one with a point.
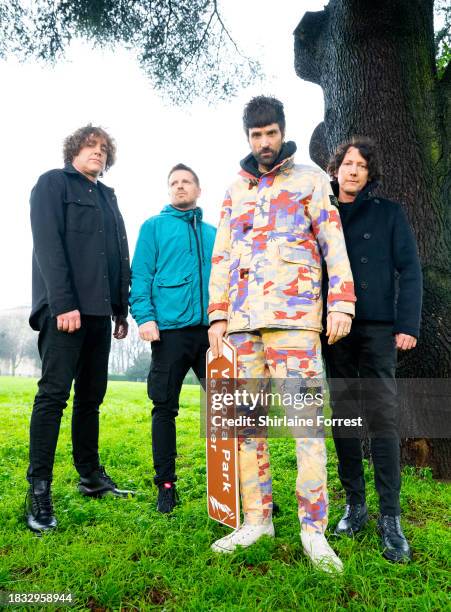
(284, 161)
(365, 194)
(185, 215)
(69, 169)
(359, 202)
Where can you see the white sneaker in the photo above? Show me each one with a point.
(321, 554)
(244, 536)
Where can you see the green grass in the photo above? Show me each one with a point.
(116, 554)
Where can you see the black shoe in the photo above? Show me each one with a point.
(99, 484)
(396, 547)
(275, 509)
(39, 508)
(167, 497)
(353, 520)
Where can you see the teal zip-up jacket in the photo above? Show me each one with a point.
(171, 269)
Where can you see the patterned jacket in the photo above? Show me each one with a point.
(266, 265)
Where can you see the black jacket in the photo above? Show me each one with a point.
(70, 268)
(384, 260)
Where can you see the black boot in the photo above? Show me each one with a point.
(167, 497)
(39, 508)
(99, 484)
(396, 547)
(353, 520)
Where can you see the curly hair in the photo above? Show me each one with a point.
(261, 111)
(76, 141)
(367, 149)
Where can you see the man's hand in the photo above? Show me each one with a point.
(149, 331)
(120, 328)
(69, 321)
(338, 326)
(404, 342)
(215, 334)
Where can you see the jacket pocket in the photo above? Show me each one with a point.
(297, 263)
(174, 300)
(81, 216)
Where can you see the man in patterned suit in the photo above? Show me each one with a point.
(277, 221)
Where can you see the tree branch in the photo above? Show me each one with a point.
(218, 16)
(318, 148)
(307, 45)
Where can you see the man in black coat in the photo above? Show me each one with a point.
(361, 367)
(81, 277)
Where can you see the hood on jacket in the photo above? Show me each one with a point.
(183, 215)
(249, 163)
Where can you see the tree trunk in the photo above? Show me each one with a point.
(374, 60)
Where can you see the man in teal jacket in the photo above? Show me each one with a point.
(169, 301)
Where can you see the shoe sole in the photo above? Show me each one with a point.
(395, 558)
(102, 493)
(39, 531)
(326, 567)
(216, 548)
(219, 549)
(97, 494)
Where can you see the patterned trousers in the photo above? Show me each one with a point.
(281, 354)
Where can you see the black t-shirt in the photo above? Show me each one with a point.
(112, 251)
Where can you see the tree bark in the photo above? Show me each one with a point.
(375, 63)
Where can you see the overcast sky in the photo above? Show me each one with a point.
(41, 105)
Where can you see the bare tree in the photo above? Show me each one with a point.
(124, 353)
(17, 341)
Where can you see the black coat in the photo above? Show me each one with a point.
(384, 260)
(70, 269)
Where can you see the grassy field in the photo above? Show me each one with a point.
(116, 554)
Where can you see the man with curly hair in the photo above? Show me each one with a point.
(361, 368)
(80, 281)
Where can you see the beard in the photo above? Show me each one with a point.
(267, 160)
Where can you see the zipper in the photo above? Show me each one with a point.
(201, 289)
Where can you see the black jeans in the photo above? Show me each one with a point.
(81, 356)
(368, 352)
(173, 355)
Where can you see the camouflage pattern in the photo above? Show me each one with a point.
(266, 265)
(281, 354)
